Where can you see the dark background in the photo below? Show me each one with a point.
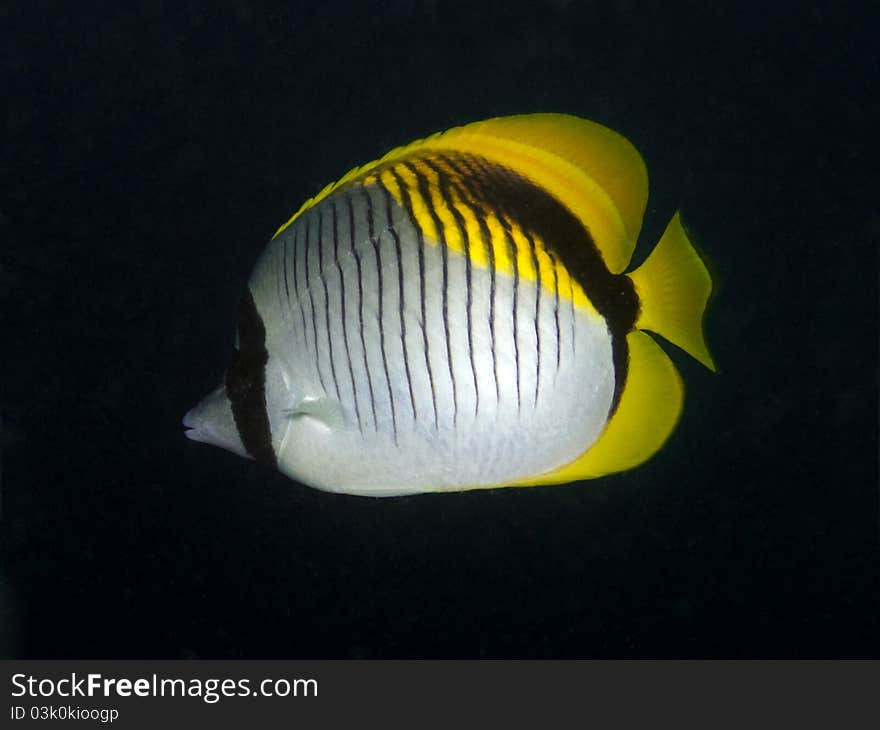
(150, 149)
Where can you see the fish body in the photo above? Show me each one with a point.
(455, 316)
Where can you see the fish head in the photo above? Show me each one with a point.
(249, 414)
(211, 422)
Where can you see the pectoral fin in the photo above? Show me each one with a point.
(326, 411)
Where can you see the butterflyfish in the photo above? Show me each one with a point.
(458, 315)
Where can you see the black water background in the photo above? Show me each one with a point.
(150, 149)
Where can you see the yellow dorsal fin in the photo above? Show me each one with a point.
(605, 156)
(591, 169)
(674, 287)
(649, 408)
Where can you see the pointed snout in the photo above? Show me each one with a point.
(211, 422)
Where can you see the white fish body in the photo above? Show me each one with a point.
(440, 320)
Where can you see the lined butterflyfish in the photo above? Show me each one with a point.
(457, 315)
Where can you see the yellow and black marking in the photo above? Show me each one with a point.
(549, 207)
(500, 220)
(503, 220)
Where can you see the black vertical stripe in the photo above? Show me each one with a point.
(537, 265)
(245, 383)
(286, 285)
(360, 287)
(484, 177)
(420, 248)
(556, 308)
(523, 206)
(279, 269)
(400, 299)
(571, 301)
(294, 258)
(512, 252)
(486, 240)
(342, 300)
(478, 173)
(323, 279)
(297, 257)
(308, 247)
(506, 216)
(380, 295)
(537, 211)
(446, 194)
(425, 192)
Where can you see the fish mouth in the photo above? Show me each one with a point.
(211, 422)
(192, 427)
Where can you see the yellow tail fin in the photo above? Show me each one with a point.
(674, 286)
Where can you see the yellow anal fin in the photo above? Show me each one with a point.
(674, 287)
(649, 408)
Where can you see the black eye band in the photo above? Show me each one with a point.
(246, 383)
